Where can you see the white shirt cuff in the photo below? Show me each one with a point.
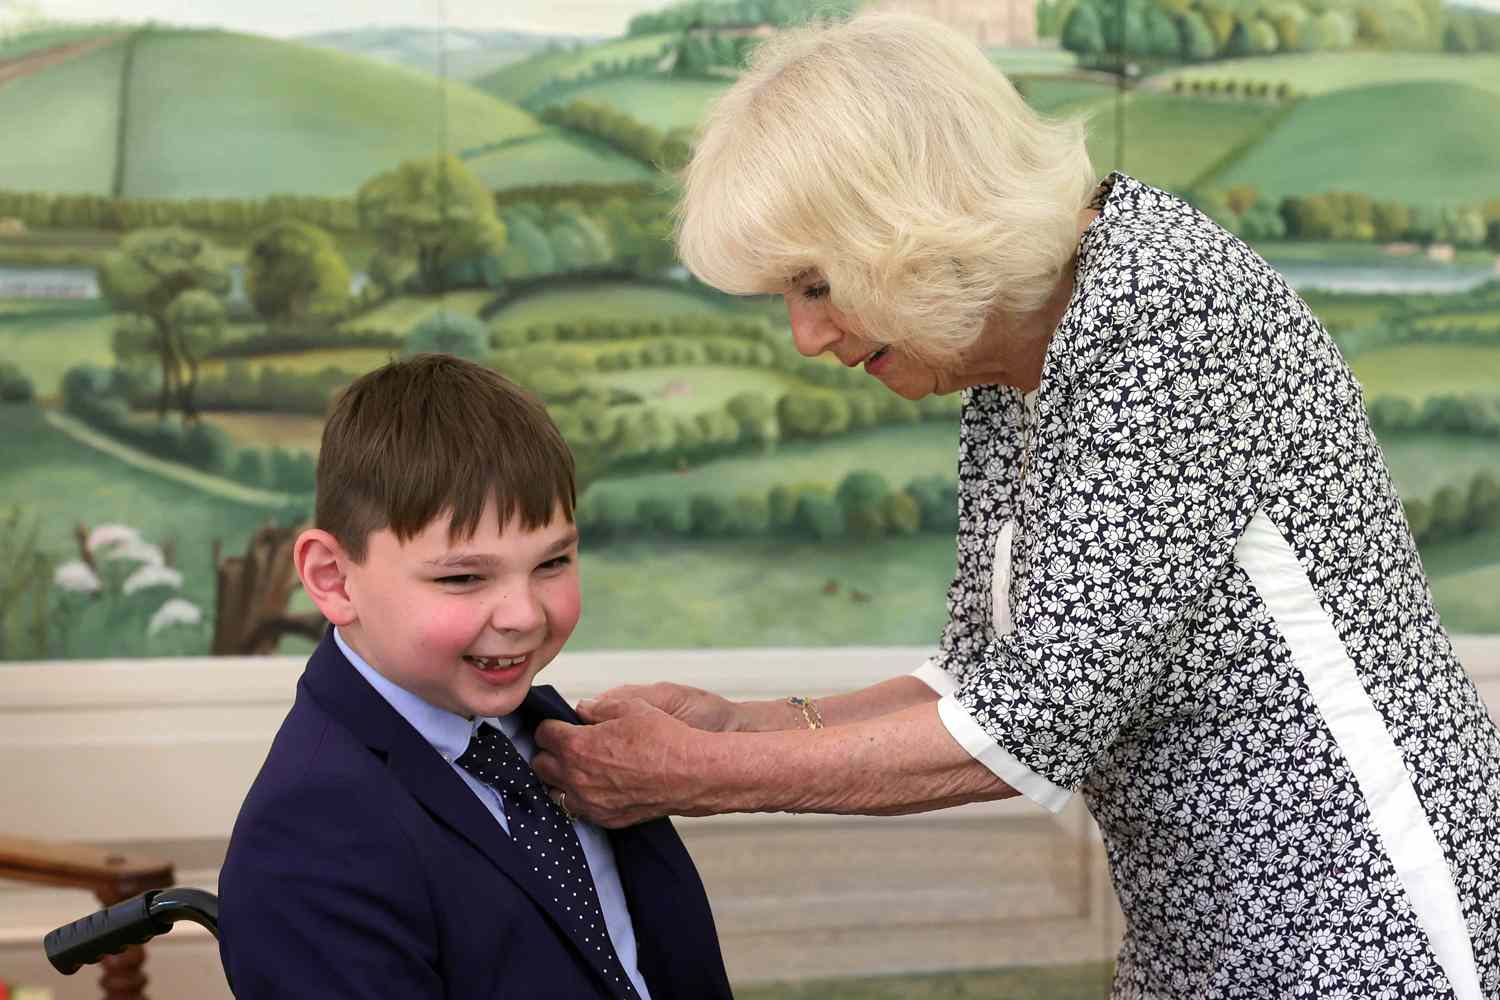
(982, 747)
(936, 677)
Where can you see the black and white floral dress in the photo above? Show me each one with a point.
(1186, 588)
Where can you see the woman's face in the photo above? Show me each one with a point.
(819, 327)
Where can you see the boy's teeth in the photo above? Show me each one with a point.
(491, 662)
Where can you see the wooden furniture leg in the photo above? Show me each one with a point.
(109, 875)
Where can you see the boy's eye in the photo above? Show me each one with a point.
(557, 563)
(459, 579)
(815, 291)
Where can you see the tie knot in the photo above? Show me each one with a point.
(492, 758)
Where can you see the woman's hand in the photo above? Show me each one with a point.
(694, 706)
(634, 764)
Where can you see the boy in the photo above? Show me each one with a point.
(396, 843)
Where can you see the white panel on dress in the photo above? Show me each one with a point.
(1395, 811)
(1000, 579)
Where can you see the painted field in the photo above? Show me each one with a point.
(1412, 142)
(221, 114)
(679, 391)
(1060, 95)
(517, 81)
(1423, 463)
(25, 43)
(1465, 577)
(663, 102)
(556, 156)
(349, 359)
(898, 453)
(604, 300)
(1324, 72)
(45, 343)
(1421, 370)
(1171, 141)
(587, 352)
(266, 430)
(1346, 312)
(1353, 252)
(62, 484)
(69, 114)
(404, 312)
(1037, 59)
(658, 595)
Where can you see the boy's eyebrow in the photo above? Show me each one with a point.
(480, 560)
(465, 559)
(564, 543)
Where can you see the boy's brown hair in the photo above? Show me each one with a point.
(435, 434)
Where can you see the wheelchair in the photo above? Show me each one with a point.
(129, 922)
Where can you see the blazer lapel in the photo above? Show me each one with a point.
(677, 946)
(334, 683)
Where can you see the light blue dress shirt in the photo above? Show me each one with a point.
(449, 735)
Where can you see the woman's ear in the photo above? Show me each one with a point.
(322, 564)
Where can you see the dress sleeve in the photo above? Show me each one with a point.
(1148, 465)
(989, 455)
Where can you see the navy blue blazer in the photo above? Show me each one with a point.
(362, 866)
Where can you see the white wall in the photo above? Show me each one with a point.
(155, 756)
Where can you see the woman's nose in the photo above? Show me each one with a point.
(812, 331)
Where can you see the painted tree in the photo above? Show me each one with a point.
(197, 320)
(429, 216)
(294, 272)
(449, 333)
(1163, 39)
(147, 275)
(1082, 33)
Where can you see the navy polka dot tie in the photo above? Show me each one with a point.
(547, 836)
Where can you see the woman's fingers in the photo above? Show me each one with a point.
(611, 773)
(694, 706)
(626, 692)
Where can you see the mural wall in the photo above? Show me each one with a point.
(208, 228)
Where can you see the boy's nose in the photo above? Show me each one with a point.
(518, 611)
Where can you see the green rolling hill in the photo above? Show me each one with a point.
(1412, 142)
(1324, 72)
(218, 114)
(663, 102)
(69, 114)
(1173, 141)
(520, 79)
(555, 156)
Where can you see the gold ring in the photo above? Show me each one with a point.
(561, 795)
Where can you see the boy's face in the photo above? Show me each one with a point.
(466, 626)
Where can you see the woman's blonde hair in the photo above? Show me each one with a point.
(890, 154)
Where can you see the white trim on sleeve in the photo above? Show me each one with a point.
(982, 747)
(1356, 724)
(935, 677)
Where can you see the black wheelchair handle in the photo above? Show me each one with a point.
(132, 921)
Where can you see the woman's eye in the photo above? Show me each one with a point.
(814, 291)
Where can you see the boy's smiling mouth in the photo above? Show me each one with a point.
(496, 662)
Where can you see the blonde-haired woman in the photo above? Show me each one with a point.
(1185, 584)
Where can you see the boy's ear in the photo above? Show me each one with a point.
(321, 563)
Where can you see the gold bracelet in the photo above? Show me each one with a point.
(809, 710)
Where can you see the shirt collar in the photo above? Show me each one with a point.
(448, 732)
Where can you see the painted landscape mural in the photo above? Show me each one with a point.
(209, 227)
